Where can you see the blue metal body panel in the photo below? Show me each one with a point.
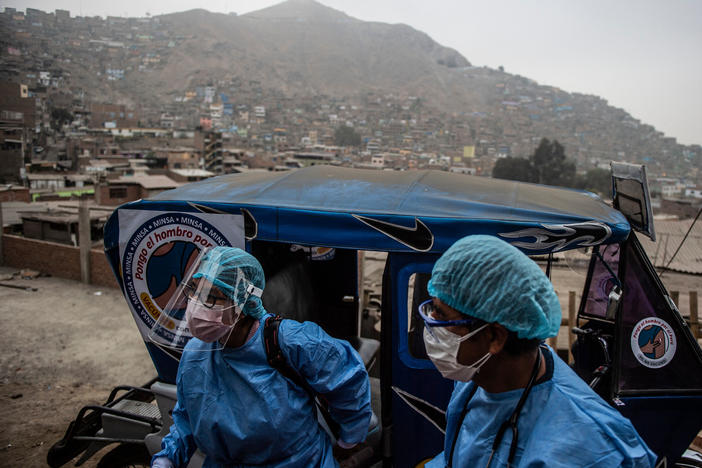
(412, 378)
(335, 207)
(650, 413)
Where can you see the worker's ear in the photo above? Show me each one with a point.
(498, 339)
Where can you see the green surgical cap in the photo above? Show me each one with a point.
(487, 278)
(226, 267)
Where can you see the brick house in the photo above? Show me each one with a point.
(125, 189)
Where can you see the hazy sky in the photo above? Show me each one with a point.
(644, 56)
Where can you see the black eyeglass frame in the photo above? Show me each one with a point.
(191, 294)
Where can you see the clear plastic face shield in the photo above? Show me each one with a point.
(207, 305)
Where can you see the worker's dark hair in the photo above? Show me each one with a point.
(514, 345)
(517, 346)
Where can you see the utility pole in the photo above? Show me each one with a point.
(84, 240)
(2, 231)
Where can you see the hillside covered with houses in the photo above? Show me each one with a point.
(116, 109)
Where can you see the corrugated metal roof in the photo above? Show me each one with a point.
(60, 217)
(14, 211)
(193, 172)
(147, 181)
(11, 211)
(669, 236)
(46, 176)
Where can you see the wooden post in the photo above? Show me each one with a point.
(360, 280)
(675, 295)
(84, 240)
(553, 342)
(694, 317)
(2, 231)
(571, 323)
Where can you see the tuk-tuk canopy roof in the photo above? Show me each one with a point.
(310, 202)
(404, 193)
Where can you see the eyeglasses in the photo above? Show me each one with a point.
(193, 293)
(427, 309)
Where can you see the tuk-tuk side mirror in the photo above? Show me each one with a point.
(603, 288)
(631, 197)
(615, 295)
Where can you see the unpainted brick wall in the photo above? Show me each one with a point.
(100, 271)
(15, 195)
(55, 259)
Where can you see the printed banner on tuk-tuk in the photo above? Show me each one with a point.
(156, 250)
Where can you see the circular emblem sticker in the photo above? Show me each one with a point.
(157, 257)
(653, 342)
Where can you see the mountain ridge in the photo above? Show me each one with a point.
(327, 56)
(300, 9)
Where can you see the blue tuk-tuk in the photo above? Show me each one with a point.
(309, 229)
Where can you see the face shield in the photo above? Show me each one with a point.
(207, 304)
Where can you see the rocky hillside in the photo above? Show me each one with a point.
(301, 46)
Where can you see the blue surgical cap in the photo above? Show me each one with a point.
(487, 278)
(223, 266)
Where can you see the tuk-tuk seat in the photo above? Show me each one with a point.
(367, 348)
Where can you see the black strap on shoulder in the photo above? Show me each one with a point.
(276, 359)
(274, 354)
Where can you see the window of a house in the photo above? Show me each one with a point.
(118, 192)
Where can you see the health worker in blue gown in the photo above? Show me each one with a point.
(515, 403)
(232, 405)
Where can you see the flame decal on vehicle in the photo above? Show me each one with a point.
(556, 237)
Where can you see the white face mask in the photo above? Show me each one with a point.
(442, 348)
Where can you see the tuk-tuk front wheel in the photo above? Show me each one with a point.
(126, 456)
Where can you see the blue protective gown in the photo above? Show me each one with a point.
(241, 412)
(562, 424)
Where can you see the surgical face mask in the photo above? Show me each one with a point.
(206, 323)
(442, 348)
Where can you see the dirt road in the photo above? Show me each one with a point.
(64, 346)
